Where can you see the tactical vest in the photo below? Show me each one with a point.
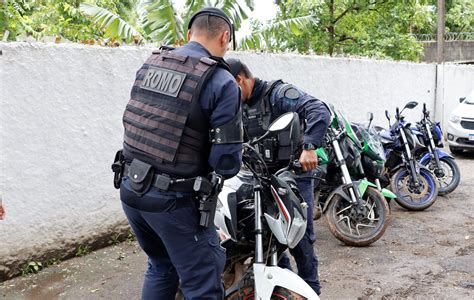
(164, 123)
(257, 118)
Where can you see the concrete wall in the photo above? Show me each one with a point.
(60, 125)
(60, 118)
(454, 51)
(354, 86)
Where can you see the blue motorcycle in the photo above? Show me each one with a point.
(413, 183)
(440, 163)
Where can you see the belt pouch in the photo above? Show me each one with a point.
(140, 175)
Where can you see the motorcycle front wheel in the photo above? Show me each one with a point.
(414, 198)
(450, 176)
(247, 292)
(361, 228)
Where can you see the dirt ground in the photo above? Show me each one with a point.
(423, 255)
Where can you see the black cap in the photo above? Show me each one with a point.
(210, 11)
(235, 66)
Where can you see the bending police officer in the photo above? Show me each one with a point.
(264, 102)
(179, 97)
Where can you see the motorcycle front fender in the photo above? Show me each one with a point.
(388, 194)
(427, 156)
(442, 153)
(421, 166)
(268, 277)
(338, 191)
(363, 185)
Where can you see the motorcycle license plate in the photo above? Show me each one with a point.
(471, 137)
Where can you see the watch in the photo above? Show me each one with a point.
(308, 146)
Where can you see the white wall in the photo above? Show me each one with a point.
(355, 86)
(60, 122)
(60, 125)
(454, 82)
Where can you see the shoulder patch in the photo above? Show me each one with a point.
(292, 93)
(288, 91)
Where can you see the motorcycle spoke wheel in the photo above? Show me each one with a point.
(413, 198)
(353, 222)
(358, 228)
(407, 191)
(448, 175)
(451, 176)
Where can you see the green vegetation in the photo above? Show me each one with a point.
(373, 28)
(83, 250)
(39, 18)
(32, 267)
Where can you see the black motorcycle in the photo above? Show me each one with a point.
(414, 184)
(439, 162)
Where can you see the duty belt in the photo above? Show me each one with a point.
(165, 183)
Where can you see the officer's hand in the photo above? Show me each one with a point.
(308, 160)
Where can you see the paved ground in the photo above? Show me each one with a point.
(427, 254)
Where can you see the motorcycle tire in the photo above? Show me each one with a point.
(247, 292)
(375, 207)
(452, 167)
(400, 183)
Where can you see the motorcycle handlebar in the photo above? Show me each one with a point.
(297, 167)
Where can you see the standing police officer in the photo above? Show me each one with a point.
(264, 102)
(179, 97)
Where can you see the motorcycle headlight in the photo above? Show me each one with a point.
(297, 229)
(455, 119)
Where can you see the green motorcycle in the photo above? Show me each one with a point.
(372, 166)
(355, 209)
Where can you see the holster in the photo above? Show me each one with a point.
(117, 168)
(208, 190)
(141, 176)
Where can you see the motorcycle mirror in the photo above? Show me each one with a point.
(387, 115)
(282, 122)
(370, 116)
(295, 131)
(461, 100)
(411, 105)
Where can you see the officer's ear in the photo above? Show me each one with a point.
(225, 38)
(240, 79)
(189, 34)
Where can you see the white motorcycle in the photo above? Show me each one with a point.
(260, 215)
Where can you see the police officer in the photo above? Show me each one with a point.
(264, 102)
(178, 98)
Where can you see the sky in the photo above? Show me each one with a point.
(264, 11)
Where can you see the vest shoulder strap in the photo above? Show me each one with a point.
(271, 85)
(163, 49)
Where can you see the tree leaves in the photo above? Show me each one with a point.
(270, 36)
(114, 26)
(375, 28)
(163, 24)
